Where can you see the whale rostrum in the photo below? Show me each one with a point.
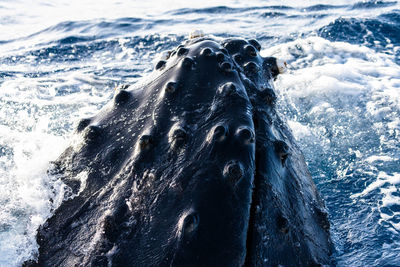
(191, 167)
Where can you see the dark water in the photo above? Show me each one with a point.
(340, 95)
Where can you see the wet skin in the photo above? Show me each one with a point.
(192, 167)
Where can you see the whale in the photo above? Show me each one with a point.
(191, 166)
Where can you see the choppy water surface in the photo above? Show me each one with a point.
(341, 96)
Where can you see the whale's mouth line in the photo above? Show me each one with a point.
(253, 204)
(253, 209)
(250, 87)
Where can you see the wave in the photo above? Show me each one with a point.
(380, 33)
(384, 29)
(373, 4)
(224, 9)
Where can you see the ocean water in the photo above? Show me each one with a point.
(60, 60)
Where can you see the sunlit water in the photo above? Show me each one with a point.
(341, 96)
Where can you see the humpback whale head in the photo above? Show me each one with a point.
(191, 167)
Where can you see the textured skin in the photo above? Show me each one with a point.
(191, 168)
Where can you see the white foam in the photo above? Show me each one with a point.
(328, 80)
(25, 194)
(34, 129)
(382, 179)
(375, 158)
(299, 130)
(320, 67)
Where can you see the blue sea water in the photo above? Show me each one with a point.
(60, 60)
